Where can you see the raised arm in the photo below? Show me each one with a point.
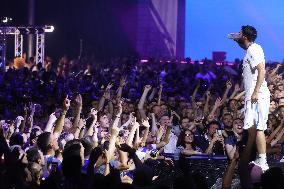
(217, 104)
(78, 110)
(206, 106)
(152, 95)
(225, 95)
(121, 86)
(236, 90)
(194, 95)
(52, 119)
(130, 138)
(142, 100)
(230, 170)
(60, 121)
(154, 127)
(105, 95)
(160, 94)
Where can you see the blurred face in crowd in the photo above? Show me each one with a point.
(188, 136)
(164, 109)
(270, 128)
(185, 123)
(280, 86)
(238, 126)
(172, 101)
(281, 113)
(192, 127)
(276, 94)
(188, 112)
(165, 120)
(156, 110)
(280, 103)
(124, 118)
(227, 120)
(272, 106)
(212, 129)
(104, 121)
(233, 105)
(272, 120)
(271, 88)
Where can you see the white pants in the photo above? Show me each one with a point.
(257, 113)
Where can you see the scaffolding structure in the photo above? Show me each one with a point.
(19, 33)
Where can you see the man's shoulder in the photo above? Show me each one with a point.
(254, 48)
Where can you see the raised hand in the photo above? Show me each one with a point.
(122, 82)
(109, 86)
(94, 113)
(66, 104)
(208, 94)
(218, 102)
(147, 87)
(146, 123)
(229, 84)
(114, 131)
(119, 107)
(107, 95)
(237, 88)
(78, 100)
(19, 119)
(52, 117)
(82, 123)
(32, 108)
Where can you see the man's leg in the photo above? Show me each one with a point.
(261, 149)
(260, 142)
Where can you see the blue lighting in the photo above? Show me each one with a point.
(208, 23)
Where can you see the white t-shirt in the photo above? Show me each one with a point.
(254, 56)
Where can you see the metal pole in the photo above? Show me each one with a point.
(31, 21)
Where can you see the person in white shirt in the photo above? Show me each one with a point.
(257, 95)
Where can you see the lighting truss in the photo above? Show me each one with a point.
(19, 33)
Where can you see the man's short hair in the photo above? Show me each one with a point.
(213, 123)
(33, 155)
(43, 142)
(249, 32)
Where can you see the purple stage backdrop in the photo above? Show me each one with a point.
(160, 28)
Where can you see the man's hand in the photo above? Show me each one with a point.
(147, 87)
(122, 82)
(237, 88)
(208, 94)
(94, 113)
(254, 97)
(119, 108)
(66, 104)
(229, 84)
(52, 117)
(109, 86)
(78, 100)
(218, 102)
(114, 131)
(145, 123)
(32, 109)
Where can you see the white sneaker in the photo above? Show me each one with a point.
(263, 166)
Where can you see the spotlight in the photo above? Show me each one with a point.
(49, 29)
(6, 19)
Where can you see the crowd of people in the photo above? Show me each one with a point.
(91, 124)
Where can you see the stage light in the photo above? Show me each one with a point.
(6, 19)
(49, 29)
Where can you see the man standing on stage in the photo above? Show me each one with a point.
(257, 95)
